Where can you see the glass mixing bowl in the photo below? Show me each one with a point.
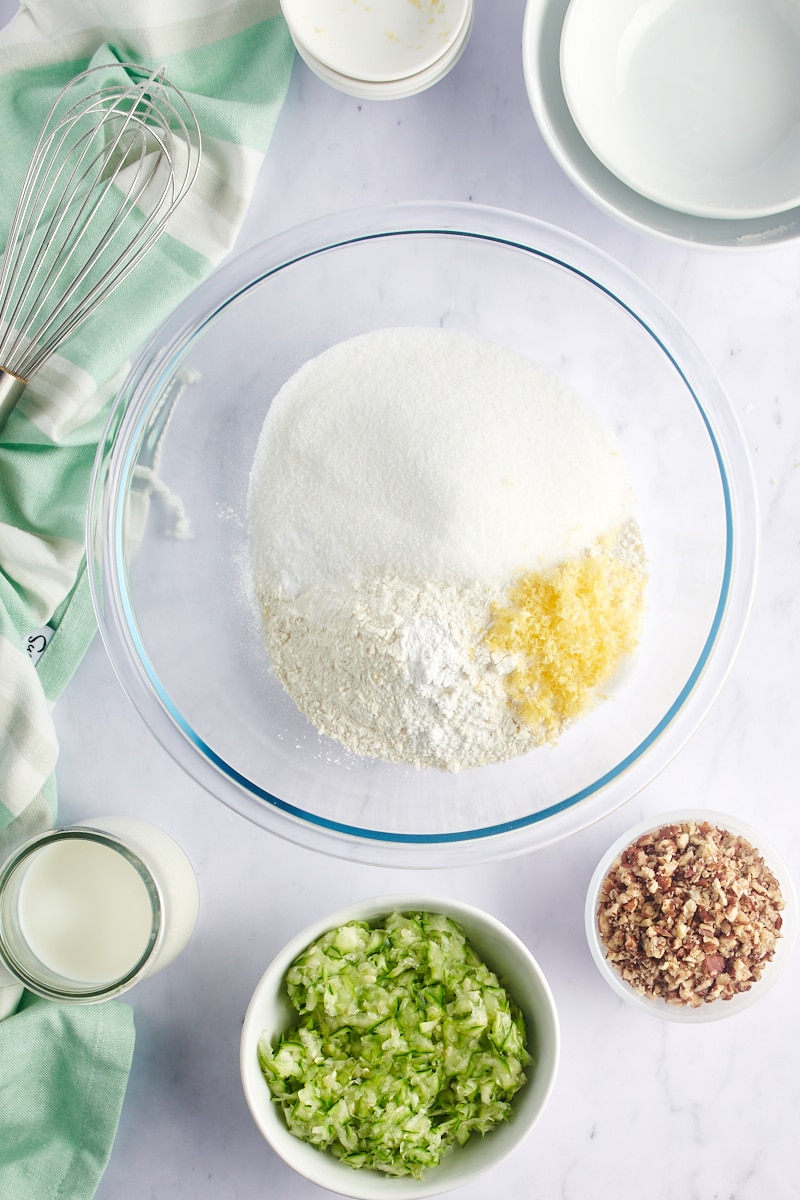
(168, 525)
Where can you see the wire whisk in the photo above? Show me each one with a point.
(108, 171)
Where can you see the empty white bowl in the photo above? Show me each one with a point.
(541, 42)
(271, 1011)
(694, 103)
(714, 1010)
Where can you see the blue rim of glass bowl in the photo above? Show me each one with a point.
(180, 346)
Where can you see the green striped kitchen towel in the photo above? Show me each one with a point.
(232, 59)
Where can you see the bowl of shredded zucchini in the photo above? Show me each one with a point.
(399, 1047)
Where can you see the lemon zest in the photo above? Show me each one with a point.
(568, 628)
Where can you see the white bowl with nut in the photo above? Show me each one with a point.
(691, 916)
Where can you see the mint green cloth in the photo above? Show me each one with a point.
(63, 1071)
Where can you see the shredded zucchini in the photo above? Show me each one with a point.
(405, 1046)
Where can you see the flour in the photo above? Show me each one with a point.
(395, 669)
(401, 482)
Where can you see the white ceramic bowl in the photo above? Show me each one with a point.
(541, 46)
(695, 105)
(381, 51)
(715, 1009)
(506, 955)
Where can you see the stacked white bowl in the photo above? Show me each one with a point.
(681, 117)
(379, 49)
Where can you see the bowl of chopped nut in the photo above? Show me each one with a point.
(691, 916)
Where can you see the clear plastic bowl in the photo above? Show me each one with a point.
(178, 616)
(715, 1010)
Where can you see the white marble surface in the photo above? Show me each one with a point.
(641, 1108)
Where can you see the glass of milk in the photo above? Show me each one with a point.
(88, 911)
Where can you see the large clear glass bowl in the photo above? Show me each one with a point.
(177, 613)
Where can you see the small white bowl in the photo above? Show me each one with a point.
(395, 89)
(695, 105)
(506, 955)
(715, 1009)
(382, 51)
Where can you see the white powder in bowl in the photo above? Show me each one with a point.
(430, 454)
(402, 481)
(396, 670)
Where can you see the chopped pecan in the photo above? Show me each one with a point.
(690, 913)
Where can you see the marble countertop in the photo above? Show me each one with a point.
(641, 1108)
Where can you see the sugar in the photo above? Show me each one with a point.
(429, 454)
